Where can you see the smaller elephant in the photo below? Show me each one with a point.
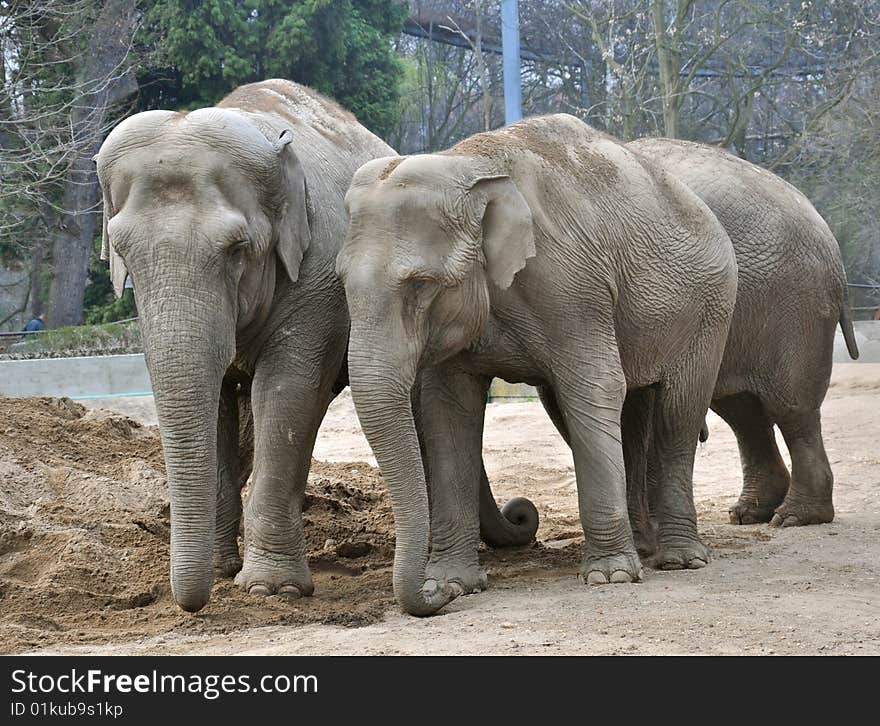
(548, 253)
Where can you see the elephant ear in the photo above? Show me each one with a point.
(508, 235)
(118, 272)
(294, 222)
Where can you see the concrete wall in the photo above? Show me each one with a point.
(112, 375)
(126, 375)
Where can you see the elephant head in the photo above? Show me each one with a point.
(198, 208)
(428, 236)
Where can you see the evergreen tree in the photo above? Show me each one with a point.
(342, 48)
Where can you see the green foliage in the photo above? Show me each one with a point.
(339, 47)
(100, 303)
(83, 340)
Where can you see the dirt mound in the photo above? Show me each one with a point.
(84, 531)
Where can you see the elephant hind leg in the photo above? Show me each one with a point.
(765, 477)
(678, 415)
(635, 424)
(809, 498)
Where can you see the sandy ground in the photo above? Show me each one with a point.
(811, 590)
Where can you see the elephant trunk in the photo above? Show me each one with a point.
(187, 356)
(513, 525)
(381, 389)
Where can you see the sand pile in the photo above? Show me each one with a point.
(84, 531)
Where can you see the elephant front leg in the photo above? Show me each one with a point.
(450, 410)
(289, 400)
(590, 401)
(227, 560)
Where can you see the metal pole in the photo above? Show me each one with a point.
(510, 47)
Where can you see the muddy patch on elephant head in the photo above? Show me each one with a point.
(571, 154)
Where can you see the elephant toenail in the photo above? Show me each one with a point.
(259, 589)
(596, 578)
(430, 587)
(620, 576)
(697, 563)
(456, 589)
(291, 592)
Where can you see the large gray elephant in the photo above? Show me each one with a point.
(545, 252)
(228, 220)
(777, 362)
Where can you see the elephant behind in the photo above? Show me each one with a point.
(791, 296)
(228, 220)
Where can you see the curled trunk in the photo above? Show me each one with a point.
(513, 525)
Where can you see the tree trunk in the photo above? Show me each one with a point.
(103, 82)
(483, 69)
(668, 61)
(37, 293)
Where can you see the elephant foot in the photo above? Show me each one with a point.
(274, 573)
(749, 511)
(614, 569)
(797, 514)
(686, 555)
(468, 577)
(227, 564)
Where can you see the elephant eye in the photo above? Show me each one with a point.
(419, 285)
(238, 247)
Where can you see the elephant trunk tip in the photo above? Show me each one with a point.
(191, 599)
(432, 597)
(191, 602)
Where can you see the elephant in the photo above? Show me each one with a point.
(777, 362)
(544, 252)
(228, 220)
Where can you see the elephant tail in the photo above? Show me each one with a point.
(704, 432)
(515, 524)
(847, 327)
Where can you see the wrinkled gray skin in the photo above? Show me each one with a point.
(545, 252)
(777, 363)
(228, 220)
